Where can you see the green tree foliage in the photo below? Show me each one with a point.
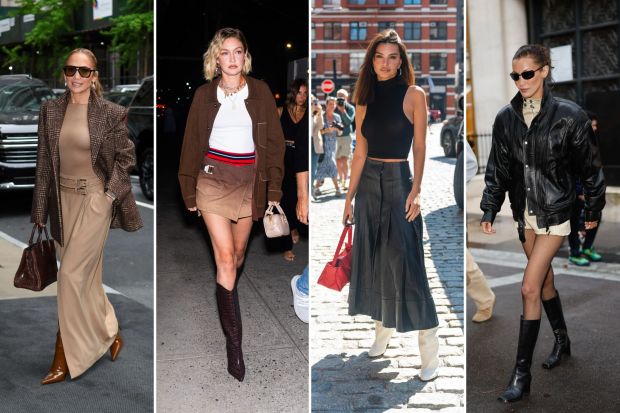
(54, 19)
(132, 34)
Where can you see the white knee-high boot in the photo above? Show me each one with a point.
(429, 350)
(382, 339)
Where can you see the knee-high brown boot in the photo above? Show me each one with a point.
(230, 317)
(59, 369)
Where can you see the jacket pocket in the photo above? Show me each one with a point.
(261, 130)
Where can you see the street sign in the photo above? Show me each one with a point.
(328, 86)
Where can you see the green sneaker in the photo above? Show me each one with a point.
(580, 260)
(592, 255)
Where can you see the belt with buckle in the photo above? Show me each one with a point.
(80, 185)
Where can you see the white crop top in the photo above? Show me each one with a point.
(232, 128)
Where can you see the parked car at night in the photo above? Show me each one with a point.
(21, 97)
(140, 124)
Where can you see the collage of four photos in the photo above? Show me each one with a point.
(314, 206)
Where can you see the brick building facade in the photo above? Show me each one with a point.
(342, 29)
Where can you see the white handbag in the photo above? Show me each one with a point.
(276, 225)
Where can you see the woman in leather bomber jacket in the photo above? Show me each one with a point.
(540, 145)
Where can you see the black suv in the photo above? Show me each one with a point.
(140, 125)
(20, 100)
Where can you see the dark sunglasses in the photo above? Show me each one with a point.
(84, 71)
(527, 75)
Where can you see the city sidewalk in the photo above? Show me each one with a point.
(343, 377)
(28, 325)
(191, 347)
(589, 299)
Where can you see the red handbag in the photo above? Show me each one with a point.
(337, 272)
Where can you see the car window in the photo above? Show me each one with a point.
(144, 96)
(21, 96)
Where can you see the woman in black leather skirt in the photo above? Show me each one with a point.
(388, 277)
(540, 145)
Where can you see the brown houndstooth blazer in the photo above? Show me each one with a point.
(112, 154)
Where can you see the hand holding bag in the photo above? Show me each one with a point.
(276, 225)
(37, 268)
(337, 272)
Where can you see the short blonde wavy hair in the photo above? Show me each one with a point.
(209, 58)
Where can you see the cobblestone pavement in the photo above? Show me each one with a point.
(343, 377)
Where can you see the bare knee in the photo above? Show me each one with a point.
(530, 293)
(240, 256)
(226, 261)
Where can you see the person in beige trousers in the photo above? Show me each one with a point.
(477, 287)
(82, 182)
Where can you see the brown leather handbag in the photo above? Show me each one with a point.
(337, 272)
(37, 268)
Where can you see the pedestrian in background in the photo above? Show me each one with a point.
(317, 139)
(294, 122)
(84, 157)
(477, 287)
(232, 121)
(540, 145)
(332, 127)
(582, 253)
(346, 111)
(388, 275)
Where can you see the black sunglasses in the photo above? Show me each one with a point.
(527, 75)
(84, 71)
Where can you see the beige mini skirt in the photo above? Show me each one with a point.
(560, 230)
(225, 189)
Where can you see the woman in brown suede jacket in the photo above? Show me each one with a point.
(232, 164)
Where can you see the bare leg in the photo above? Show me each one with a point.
(229, 241)
(538, 269)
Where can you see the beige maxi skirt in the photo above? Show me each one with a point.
(86, 318)
(225, 190)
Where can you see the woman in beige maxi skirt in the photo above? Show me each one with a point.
(82, 182)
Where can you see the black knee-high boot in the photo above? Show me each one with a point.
(521, 377)
(230, 317)
(553, 308)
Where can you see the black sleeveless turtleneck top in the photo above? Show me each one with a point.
(386, 128)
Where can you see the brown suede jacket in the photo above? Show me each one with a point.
(266, 133)
(112, 155)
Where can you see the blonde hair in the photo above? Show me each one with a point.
(98, 89)
(209, 58)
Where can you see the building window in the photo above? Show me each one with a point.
(439, 30)
(413, 30)
(357, 30)
(331, 3)
(416, 61)
(355, 61)
(313, 31)
(328, 63)
(439, 2)
(357, 2)
(412, 2)
(382, 2)
(332, 31)
(438, 61)
(386, 25)
(313, 62)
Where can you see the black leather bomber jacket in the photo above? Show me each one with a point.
(542, 162)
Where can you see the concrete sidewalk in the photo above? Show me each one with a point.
(343, 377)
(191, 348)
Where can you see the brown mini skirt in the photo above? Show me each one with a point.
(225, 189)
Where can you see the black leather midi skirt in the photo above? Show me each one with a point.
(388, 277)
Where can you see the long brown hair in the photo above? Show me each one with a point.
(98, 89)
(293, 89)
(365, 86)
